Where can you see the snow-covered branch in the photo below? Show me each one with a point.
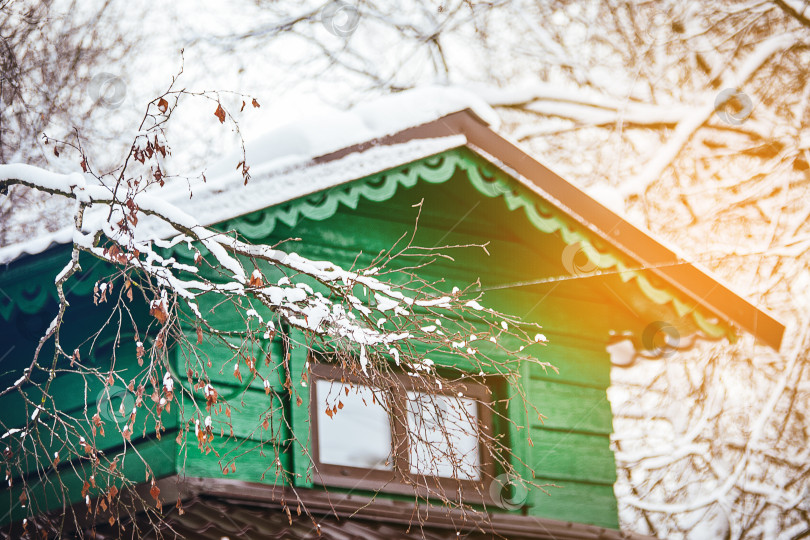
(686, 128)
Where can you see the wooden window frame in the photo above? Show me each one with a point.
(400, 480)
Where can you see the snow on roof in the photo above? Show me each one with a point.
(313, 136)
(275, 182)
(281, 161)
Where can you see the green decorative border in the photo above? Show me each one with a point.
(323, 205)
(486, 178)
(28, 286)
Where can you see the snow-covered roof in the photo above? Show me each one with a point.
(282, 165)
(314, 154)
(312, 136)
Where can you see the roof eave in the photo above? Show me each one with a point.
(691, 281)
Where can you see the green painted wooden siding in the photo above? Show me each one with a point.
(569, 449)
(70, 391)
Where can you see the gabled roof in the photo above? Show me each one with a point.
(693, 281)
(447, 118)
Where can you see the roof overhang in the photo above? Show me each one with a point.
(693, 282)
(688, 280)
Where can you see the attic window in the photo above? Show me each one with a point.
(359, 434)
(443, 436)
(396, 438)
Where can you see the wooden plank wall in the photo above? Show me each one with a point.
(569, 449)
(70, 393)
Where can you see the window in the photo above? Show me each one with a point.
(359, 435)
(443, 436)
(400, 437)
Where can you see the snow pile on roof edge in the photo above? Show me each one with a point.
(317, 135)
(292, 147)
(275, 182)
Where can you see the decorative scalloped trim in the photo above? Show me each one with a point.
(487, 179)
(498, 184)
(490, 182)
(31, 294)
(323, 205)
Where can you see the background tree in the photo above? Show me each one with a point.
(692, 119)
(703, 136)
(60, 73)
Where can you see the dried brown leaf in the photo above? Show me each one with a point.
(220, 113)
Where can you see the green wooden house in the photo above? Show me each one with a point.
(556, 257)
